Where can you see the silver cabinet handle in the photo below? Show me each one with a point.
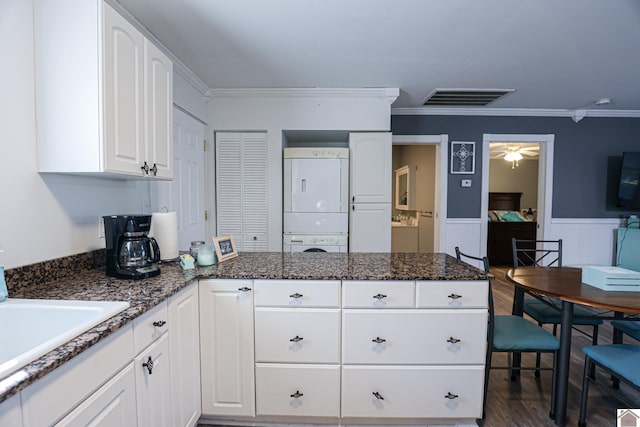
(145, 168)
(378, 395)
(451, 396)
(244, 289)
(296, 339)
(455, 296)
(159, 323)
(453, 340)
(296, 296)
(379, 340)
(297, 394)
(380, 296)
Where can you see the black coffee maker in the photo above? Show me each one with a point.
(130, 252)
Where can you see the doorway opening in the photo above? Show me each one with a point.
(517, 182)
(418, 212)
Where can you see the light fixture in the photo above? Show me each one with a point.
(514, 157)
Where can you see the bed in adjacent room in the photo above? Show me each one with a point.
(505, 222)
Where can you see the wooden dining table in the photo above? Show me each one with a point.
(565, 284)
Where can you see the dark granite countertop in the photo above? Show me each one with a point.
(145, 294)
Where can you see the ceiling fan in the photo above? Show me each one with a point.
(513, 151)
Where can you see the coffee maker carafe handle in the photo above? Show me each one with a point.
(156, 250)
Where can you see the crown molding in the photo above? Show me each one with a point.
(524, 112)
(390, 94)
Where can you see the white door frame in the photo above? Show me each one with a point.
(441, 143)
(545, 179)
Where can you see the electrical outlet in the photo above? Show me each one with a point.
(100, 228)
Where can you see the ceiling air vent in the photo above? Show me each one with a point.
(464, 97)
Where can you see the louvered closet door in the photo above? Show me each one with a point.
(241, 188)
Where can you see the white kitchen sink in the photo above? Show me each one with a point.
(29, 328)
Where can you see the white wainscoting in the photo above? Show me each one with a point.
(585, 241)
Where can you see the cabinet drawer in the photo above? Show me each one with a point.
(150, 326)
(378, 294)
(305, 390)
(414, 336)
(452, 294)
(419, 392)
(297, 293)
(297, 335)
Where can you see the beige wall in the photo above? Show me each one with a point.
(522, 179)
(423, 158)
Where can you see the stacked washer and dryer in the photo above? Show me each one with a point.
(316, 199)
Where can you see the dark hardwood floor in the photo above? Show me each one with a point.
(526, 403)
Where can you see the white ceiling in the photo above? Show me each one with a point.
(555, 54)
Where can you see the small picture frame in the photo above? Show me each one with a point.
(225, 247)
(463, 157)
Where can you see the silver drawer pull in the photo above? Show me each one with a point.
(380, 296)
(296, 339)
(159, 323)
(451, 396)
(296, 295)
(453, 340)
(244, 289)
(379, 340)
(378, 395)
(297, 394)
(455, 296)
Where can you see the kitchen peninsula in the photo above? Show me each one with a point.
(364, 336)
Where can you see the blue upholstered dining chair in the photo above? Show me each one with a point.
(620, 360)
(509, 333)
(548, 253)
(629, 327)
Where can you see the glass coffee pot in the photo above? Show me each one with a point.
(138, 250)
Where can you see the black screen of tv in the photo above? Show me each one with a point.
(629, 189)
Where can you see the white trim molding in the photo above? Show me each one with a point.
(389, 93)
(514, 112)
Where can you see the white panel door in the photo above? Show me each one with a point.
(370, 167)
(158, 110)
(315, 185)
(370, 227)
(123, 94)
(226, 346)
(184, 348)
(185, 194)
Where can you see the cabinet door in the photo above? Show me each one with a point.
(159, 111)
(184, 348)
(11, 412)
(123, 95)
(153, 388)
(370, 227)
(370, 167)
(226, 345)
(113, 405)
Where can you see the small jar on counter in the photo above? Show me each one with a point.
(195, 247)
(206, 255)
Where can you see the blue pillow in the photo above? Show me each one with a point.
(511, 217)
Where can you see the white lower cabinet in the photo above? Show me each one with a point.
(184, 349)
(11, 412)
(412, 391)
(298, 390)
(226, 347)
(152, 384)
(113, 405)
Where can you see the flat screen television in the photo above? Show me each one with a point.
(629, 188)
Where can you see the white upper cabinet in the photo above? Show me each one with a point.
(104, 94)
(370, 167)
